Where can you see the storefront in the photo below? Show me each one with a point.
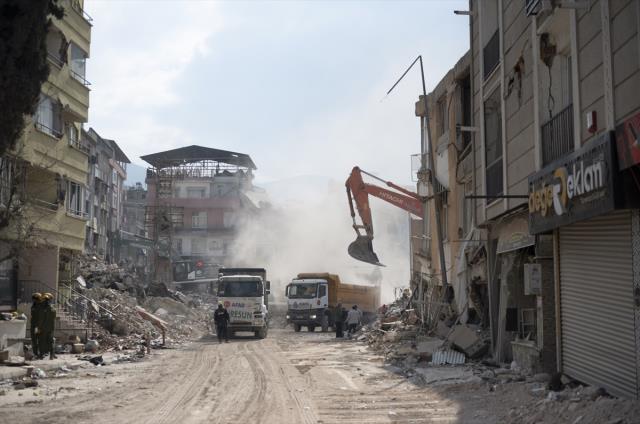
(581, 200)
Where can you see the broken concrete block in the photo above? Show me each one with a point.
(77, 348)
(467, 340)
(442, 330)
(4, 355)
(391, 336)
(427, 347)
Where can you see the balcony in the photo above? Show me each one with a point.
(557, 136)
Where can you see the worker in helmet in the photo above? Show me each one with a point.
(221, 320)
(48, 324)
(35, 323)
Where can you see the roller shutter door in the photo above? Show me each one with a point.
(596, 300)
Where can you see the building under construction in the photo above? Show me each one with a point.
(198, 198)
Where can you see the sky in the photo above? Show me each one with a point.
(298, 85)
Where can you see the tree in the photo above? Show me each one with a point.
(23, 62)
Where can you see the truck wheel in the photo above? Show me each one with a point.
(296, 328)
(262, 333)
(325, 324)
(311, 328)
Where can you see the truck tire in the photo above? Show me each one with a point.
(296, 328)
(262, 333)
(325, 323)
(311, 328)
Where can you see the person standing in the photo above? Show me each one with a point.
(36, 325)
(221, 320)
(338, 319)
(353, 319)
(48, 323)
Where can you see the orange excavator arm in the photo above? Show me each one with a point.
(359, 191)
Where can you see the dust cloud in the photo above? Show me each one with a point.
(307, 228)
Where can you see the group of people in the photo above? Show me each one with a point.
(43, 322)
(353, 319)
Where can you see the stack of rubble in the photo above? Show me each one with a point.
(97, 273)
(120, 326)
(399, 335)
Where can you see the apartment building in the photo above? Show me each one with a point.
(555, 103)
(198, 197)
(50, 162)
(449, 106)
(136, 248)
(106, 194)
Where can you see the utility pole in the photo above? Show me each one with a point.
(427, 171)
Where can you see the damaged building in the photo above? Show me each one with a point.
(198, 199)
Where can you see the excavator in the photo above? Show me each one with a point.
(359, 191)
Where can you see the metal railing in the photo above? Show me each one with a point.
(76, 144)
(70, 304)
(49, 131)
(56, 60)
(557, 136)
(80, 78)
(77, 7)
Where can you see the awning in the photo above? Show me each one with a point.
(514, 235)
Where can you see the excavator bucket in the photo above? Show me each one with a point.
(362, 250)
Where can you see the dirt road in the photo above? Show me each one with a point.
(287, 378)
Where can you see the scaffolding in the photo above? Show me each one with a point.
(162, 215)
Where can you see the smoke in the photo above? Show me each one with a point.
(308, 228)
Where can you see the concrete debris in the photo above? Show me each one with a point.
(91, 346)
(467, 341)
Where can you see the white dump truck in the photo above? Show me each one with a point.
(244, 292)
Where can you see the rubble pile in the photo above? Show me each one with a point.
(405, 344)
(120, 326)
(97, 273)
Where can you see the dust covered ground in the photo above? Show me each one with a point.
(288, 378)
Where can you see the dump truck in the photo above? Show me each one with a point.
(313, 297)
(244, 292)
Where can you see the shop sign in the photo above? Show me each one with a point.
(628, 142)
(574, 188)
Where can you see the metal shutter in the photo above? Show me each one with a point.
(596, 300)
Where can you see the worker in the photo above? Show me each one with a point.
(338, 319)
(35, 323)
(353, 319)
(48, 323)
(221, 320)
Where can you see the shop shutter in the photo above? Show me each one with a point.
(597, 310)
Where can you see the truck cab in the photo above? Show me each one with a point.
(308, 304)
(245, 298)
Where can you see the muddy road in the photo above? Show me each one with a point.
(287, 378)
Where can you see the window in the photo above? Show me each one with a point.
(199, 220)
(75, 199)
(177, 245)
(198, 246)
(48, 118)
(322, 290)
(196, 192)
(56, 48)
(490, 36)
(78, 64)
(443, 119)
(493, 146)
(229, 219)
(6, 180)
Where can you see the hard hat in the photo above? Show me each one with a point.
(47, 296)
(220, 302)
(36, 296)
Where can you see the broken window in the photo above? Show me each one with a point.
(78, 63)
(75, 199)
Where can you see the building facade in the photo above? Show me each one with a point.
(106, 194)
(50, 162)
(197, 200)
(556, 155)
